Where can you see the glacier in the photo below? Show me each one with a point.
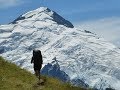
(71, 54)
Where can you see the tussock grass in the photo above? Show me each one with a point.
(13, 77)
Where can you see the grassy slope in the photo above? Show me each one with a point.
(14, 78)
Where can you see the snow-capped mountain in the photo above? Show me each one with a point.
(70, 54)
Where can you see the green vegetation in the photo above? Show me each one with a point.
(13, 77)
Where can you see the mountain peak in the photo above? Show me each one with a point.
(43, 13)
(81, 57)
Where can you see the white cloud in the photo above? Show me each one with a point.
(109, 28)
(10, 3)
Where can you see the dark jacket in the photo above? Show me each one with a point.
(37, 59)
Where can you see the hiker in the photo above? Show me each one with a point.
(37, 61)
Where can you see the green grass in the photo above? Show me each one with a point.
(13, 77)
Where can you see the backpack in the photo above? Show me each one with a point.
(37, 57)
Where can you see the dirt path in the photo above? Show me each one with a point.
(39, 84)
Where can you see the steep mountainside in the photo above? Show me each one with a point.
(70, 54)
(14, 78)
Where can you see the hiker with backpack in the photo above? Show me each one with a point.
(37, 61)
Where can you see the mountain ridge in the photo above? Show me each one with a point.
(54, 16)
(81, 55)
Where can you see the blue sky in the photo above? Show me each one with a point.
(94, 15)
(73, 10)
